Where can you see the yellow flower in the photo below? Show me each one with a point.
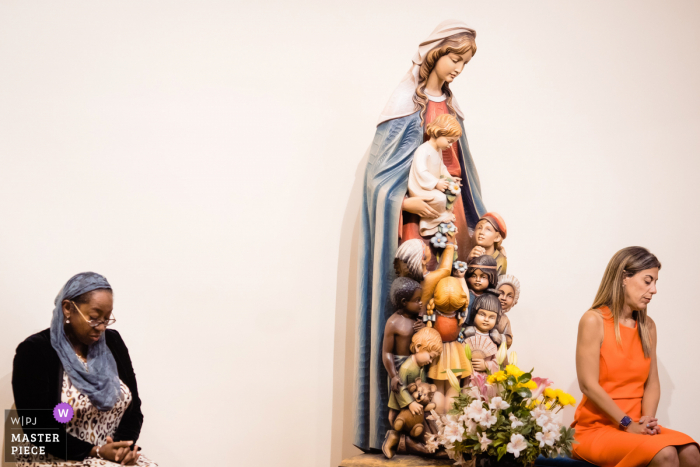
(513, 370)
(566, 399)
(530, 385)
(562, 397)
(535, 403)
(497, 377)
(550, 393)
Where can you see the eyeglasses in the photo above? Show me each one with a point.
(94, 322)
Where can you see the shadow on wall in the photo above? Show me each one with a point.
(342, 425)
(667, 387)
(7, 402)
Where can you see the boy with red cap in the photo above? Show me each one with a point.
(489, 233)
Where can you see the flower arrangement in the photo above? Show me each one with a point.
(508, 412)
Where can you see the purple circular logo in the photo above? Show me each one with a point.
(63, 413)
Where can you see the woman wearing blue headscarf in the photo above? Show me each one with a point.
(80, 362)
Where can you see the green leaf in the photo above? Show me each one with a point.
(525, 377)
(525, 393)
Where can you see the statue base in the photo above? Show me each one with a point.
(378, 460)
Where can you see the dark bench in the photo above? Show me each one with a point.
(560, 462)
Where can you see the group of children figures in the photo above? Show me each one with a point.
(440, 312)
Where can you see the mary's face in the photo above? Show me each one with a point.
(449, 66)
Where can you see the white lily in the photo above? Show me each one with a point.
(498, 403)
(515, 421)
(502, 353)
(454, 382)
(513, 358)
(545, 438)
(484, 441)
(488, 419)
(474, 410)
(453, 432)
(517, 444)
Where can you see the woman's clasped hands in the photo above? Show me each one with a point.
(120, 451)
(645, 426)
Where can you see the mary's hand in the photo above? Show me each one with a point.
(419, 206)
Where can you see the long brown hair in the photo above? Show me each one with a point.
(459, 44)
(625, 263)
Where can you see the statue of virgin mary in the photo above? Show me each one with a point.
(389, 217)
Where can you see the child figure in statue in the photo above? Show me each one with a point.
(411, 260)
(426, 346)
(481, 274)
(449, 300)
(509, 290)
(481, 335)
(429, 178)
(405, 295)
(489, 234)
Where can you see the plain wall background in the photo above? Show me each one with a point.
(207, 158)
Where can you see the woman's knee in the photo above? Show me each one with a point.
(689, 455)
(668, 456)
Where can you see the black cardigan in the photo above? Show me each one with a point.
(37, 378)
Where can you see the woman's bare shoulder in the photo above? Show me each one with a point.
(592, 319)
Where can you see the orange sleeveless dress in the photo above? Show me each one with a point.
(623, 373)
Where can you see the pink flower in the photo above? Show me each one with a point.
(542, 384)
(479, 381)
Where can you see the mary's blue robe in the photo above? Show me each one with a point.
(385, 186)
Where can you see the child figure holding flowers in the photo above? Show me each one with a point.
(429, 178)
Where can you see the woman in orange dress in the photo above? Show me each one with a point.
(616, 421)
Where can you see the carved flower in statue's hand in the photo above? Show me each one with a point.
(448, 227)
(461, 266)
(453, 187)
(439, 240)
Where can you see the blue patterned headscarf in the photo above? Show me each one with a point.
(101, 383)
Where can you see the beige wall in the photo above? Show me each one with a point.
(206, 157)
